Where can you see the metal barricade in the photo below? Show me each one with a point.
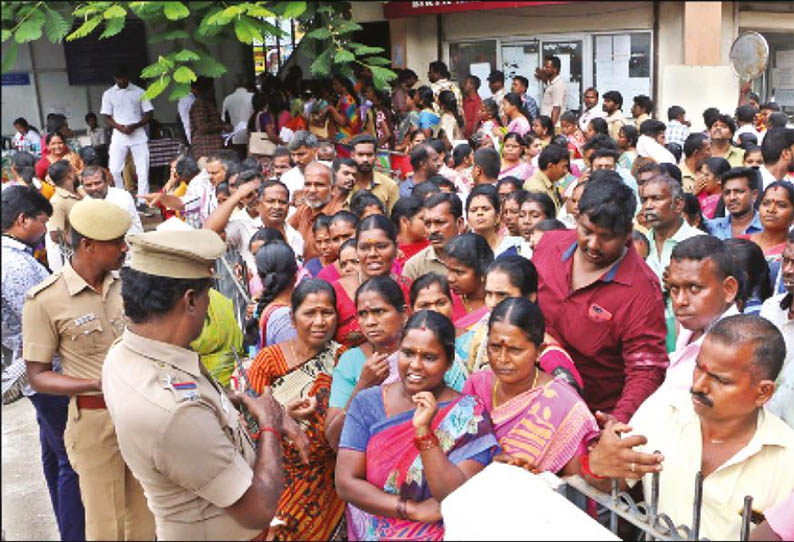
(228, 284)
(645, 516)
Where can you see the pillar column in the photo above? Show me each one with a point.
(702, 33)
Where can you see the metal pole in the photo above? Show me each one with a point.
(242, 291)
(613, 517)
(696, 506)
(747, 512)
(654, 499)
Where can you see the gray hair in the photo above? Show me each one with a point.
(90, 171)
(324, 169)
(302, 138)
(676, 191)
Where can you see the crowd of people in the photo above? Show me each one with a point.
(436, 282)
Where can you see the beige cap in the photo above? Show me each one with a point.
(99, 219)
(176, 254)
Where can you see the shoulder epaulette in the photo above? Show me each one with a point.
(46, 283)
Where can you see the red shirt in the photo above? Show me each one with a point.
(614, 329)
(410, 249)
(471, 112)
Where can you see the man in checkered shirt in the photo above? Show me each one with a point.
(677, 125)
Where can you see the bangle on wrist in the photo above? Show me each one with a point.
(402, 508)
(585, 461)
(426, 441)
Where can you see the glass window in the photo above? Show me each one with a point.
(622, 62)
(475, 58)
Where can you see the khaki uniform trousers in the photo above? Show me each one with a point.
(115, 506)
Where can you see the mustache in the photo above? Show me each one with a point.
(702, 398)
(435, 237)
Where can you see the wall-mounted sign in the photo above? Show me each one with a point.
(394, 10)
(16, 79)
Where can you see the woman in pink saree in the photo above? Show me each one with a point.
(392, 431)
(541, 423)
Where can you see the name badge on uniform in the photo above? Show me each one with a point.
(186, 390)
(84, 319)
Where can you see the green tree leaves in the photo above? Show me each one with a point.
(190, 28)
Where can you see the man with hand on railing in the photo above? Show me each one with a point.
(722, 431)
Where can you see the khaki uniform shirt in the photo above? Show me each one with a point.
(181, 438)
(64, 315)
(538, 182)
(639, 120)
(687, 178)
(62, 202)
(761, 469)
(383, 188)
(614, 122)
(423, 262)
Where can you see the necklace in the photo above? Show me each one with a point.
(496, 387)
(465, 300)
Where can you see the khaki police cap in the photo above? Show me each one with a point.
(99, 219)
(176, 254)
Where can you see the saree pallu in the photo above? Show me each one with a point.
(219, 336)
(394, 464)
(548, 425)
(521, 171)
(347, 107)
(309, 504)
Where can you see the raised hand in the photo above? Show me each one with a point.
(614, 457)
(426, 407)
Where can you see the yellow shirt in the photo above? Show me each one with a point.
(735, 156)
(539, 182)
(383, 188)
(762, 469)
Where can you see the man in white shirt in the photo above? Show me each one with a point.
(96, 187)
(264, 205)
(303, 148)
(496, 83)
(745, 122)
(719, 428)
(555, 96)
(591, 109)
(127, 114)
(183, 106)
(778, 153)
(238, 107)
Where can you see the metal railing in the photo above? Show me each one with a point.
(645, 516)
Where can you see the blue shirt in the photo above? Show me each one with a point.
(720, 227)
(406, 187)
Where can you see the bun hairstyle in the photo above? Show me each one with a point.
(276, 267)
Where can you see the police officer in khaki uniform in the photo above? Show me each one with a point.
(77, 313)
(177, 429)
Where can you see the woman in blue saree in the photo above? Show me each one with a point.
(393, 431)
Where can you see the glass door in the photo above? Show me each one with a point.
(524, 56)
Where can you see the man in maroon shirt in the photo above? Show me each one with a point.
(471, 104)
(602, 303)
